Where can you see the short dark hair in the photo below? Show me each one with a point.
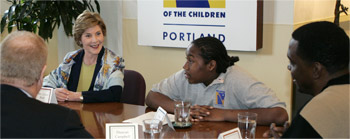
(213, 49)
(323, 42)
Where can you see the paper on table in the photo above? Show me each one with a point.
(149, 115)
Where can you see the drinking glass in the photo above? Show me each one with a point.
(152, 126)
(182, 113)
(247, 124)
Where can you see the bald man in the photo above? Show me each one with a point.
(23, 62)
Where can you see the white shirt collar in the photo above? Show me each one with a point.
(219, 79)
(25, 92)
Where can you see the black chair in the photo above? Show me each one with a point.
(134, 88)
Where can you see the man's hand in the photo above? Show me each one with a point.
(206, 113)
(276, 132)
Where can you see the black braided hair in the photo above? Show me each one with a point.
(213, 49)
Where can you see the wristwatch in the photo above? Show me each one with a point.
(81, 98)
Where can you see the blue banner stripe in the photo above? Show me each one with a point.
(172, 24)
(192, 3)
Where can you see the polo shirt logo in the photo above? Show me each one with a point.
(220, 97)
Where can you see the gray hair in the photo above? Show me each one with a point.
(23, 55)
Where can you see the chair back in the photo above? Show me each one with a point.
(134, 88)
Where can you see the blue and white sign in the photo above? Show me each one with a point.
(176, 23)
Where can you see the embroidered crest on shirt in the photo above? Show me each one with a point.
(220, 97)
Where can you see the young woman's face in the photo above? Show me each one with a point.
(196, 71)
(92, 40)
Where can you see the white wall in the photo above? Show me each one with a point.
(310, 10)
(4, 5)
(279, 12)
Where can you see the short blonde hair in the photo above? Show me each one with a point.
(23, 56)
(84, 21)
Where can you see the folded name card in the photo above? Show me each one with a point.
(122, 131)
(161, 114)
(47, 95)
(149, 115)
(231, 134)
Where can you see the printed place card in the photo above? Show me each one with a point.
(122, 131)
(47, 95)
(231, 134)
(161, 114)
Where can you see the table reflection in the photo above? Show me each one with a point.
(94, 116)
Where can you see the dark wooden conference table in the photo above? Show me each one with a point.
(94, 116)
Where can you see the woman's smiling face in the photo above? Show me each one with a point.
(92, 40)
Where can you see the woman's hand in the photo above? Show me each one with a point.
(74, 96)
(206, 113)
(63, 94)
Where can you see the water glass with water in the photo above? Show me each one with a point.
(182, 113)
(152, 126)
(247, 124)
